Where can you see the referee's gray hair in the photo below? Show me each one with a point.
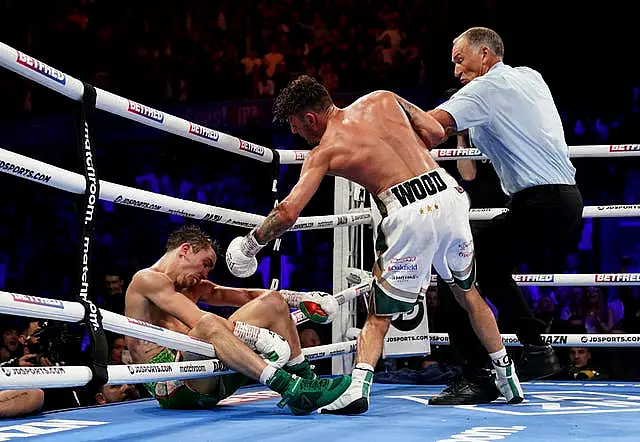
(478, 37)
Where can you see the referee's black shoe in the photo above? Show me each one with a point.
(476, 386)
(538, 362)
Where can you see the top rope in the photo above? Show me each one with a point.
(35, 70)
(73, 88)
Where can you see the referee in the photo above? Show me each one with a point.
(511, 117)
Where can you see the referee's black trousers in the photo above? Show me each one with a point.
(539, 219)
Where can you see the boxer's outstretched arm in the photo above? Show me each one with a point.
(218, 295)
(285, 214)
(425, 125)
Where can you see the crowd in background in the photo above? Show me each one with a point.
(204, 52)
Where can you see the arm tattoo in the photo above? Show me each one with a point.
(409, 109)
(13, 396)
(272, 227)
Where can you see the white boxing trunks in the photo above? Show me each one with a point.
(422, 221)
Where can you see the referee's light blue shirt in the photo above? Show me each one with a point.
(513, 120)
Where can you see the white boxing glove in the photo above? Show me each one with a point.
(273, 347)
(241, 255)
(318, 307)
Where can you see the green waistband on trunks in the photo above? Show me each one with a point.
(175, 395)
(164, 356)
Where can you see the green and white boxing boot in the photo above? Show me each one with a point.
(300, 366)
(506, 377)
(303, 396)
(355, 400)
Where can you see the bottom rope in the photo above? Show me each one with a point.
(16, 378)
(76, 376)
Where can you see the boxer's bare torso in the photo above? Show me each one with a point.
(373, 143)
(139, 306)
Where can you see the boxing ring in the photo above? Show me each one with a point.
(396, 410)
(552, 411)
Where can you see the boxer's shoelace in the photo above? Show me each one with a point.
(308, 391)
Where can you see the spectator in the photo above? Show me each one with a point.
(11, 344)
(118, 351)
(393, 33)
(580, 367)
(265, 86)
(109, 394)
(329, 79)
(574, 313)
(549, 314)
(250, 61)
(114, 289)
(280, 78)
(598, 316)
(272, 59)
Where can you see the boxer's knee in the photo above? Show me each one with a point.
(210, 327)
(273, 305)
(464, 296)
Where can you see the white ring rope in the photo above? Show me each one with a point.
(35, 70)
(358, 276)
(16, 304)
(610, 211)
(584, 151)
(39, 72)
(66, 376)
(32, 306)
(77, 376)
(557, 340)
(43, 173)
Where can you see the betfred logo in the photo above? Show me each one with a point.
(449, 153)
(617, 277)
(533, 278)
(41, 68)
(251, 148)
(39, 301)
(146, 111)
(144, 324)
(624, 148)
(203, 132)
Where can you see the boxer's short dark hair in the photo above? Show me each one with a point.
(303, 94)
(193, 235)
